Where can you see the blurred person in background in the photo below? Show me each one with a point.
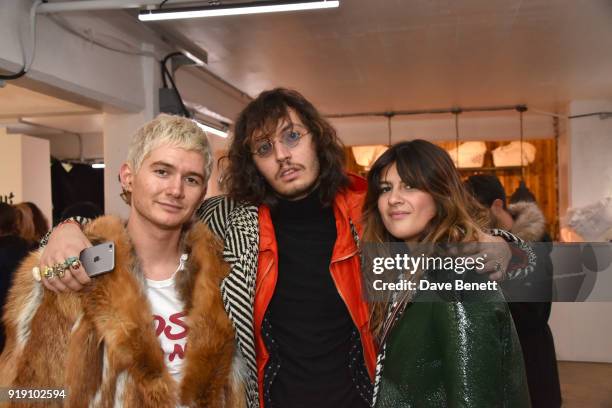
(83, 209)
(13, 249)
(31, 223)
(525, 219)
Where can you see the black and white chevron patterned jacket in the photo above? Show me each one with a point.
(238, 227)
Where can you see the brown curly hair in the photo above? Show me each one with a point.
(245, 183)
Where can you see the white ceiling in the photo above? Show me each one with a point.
(417, 54)
(375, 56)
(16, 101)
(74, 131)
(23, 110)
(91, 123)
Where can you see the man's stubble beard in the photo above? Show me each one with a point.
(305, 192)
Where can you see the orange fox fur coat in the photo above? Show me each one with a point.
(101, 346)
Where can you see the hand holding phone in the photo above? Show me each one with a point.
(98, 259)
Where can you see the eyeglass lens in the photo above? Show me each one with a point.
(290, 138)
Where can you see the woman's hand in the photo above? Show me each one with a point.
(66, 241)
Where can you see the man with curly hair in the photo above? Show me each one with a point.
(290, 223)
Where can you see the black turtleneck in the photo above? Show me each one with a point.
(310, 326)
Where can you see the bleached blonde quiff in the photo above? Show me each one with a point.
(175, 131)
(172, 130)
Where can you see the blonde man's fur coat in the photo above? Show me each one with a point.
(101, 345)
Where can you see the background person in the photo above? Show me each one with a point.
(83, 209)
(13, 249)
(462, 351)
(32, 224)
(525, 219)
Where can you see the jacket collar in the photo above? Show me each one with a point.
(347, 212)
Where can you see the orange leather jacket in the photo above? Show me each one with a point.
(344, 269)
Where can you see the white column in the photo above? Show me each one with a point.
(582, 330)
(118, 131)
(25, 172)
(590, 142)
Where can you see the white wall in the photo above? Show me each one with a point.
(582, 330)
(591, 147)
(10, 166)
(25, 170)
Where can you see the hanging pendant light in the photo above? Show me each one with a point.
(456, 112)
(471, 152)
(521, 109)
(522, 193)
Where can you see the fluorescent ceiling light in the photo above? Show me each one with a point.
(210, 129)
(233, 10)
(195, 59)
(97, 165)
(203, 110)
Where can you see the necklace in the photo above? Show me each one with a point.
(182, 260)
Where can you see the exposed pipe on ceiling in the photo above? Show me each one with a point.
(602, 115)
(430, 111)
(94, 5)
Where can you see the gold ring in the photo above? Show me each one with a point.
(47, 272)
(36, 273)
(59, 269)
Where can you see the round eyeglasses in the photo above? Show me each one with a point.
(290, 138)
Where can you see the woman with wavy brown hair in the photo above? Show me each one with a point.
(458, 349)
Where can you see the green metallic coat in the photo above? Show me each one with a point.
(460, 353)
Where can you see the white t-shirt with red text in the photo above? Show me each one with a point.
(169, 320)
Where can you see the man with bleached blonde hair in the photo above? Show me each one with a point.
(153, 332)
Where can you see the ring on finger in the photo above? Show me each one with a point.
(73, 263)
(59, 269)
(47, 272)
